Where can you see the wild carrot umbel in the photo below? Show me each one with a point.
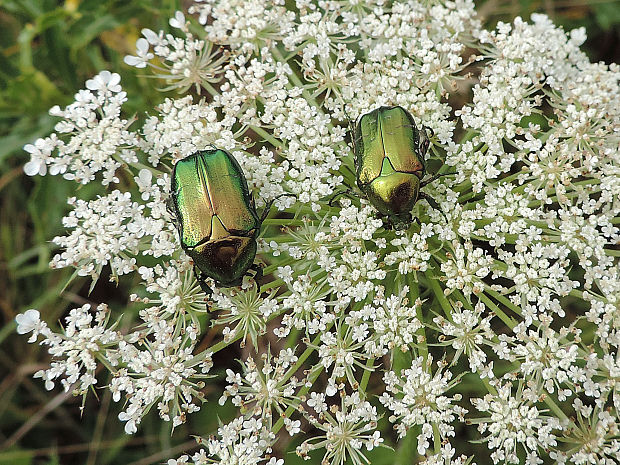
(358, 333)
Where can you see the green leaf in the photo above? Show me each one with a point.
(607, 14)
(16, 457)
(25, 132)
(401, 360)
(407, 453)
(89, 28)
(381, 456)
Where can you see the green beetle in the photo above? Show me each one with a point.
(389, 161)
(215, 215)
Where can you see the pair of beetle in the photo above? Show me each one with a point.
(215, 214)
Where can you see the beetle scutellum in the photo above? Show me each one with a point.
(216, 218)
(389, 155)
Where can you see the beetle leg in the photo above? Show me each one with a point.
(388, 223)
(433, 203)
(270, 203)
(170, 206)
(430, 132)
(258, 270)
(172, 212)
(202, 282)
(266, 211)
(350, 123)
(432, 178)
(352, 138)
(351, 129)
(347, 191)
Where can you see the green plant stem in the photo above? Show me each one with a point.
(436, 438)
(555, 408)
(267, 136)
(296, 80)
(414, 293)
(366, 376)
(498, 311)
(439, 295)
(302, 392)
(198, 358)
(282, 222)
(300, 361)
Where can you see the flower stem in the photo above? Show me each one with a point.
(505, 318)
(439, 295)
(366, 375)
(414, 293)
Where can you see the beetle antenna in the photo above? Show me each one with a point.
(347, 192)
(344, 109)
(350, 123)
(432, 178)
(433, 203)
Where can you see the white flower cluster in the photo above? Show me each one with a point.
(510, 278)
(94, 137)
(84, 338)
(388, 326)
(417, 397)
(513, 421)
(186, 62)
(467, 331)
(263, 390)
(248, 311)
(242, 442)
(164, 374)
(345, 430)
(307, 304)
(352, 268)
(109, 230)
(184, 127)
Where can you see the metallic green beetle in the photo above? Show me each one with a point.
(389, 160)
(215, 216)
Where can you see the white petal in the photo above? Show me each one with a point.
(134, 61)
(114, 80)
(150, 36)
(105, 76)
(178, 21)
(142, 46)
(93, 84)
(145, 176)
(56, 111)
(34, 167)
(27, 321)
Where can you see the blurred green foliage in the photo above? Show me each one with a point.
(48, 49)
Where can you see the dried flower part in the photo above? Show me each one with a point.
(510, 281)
